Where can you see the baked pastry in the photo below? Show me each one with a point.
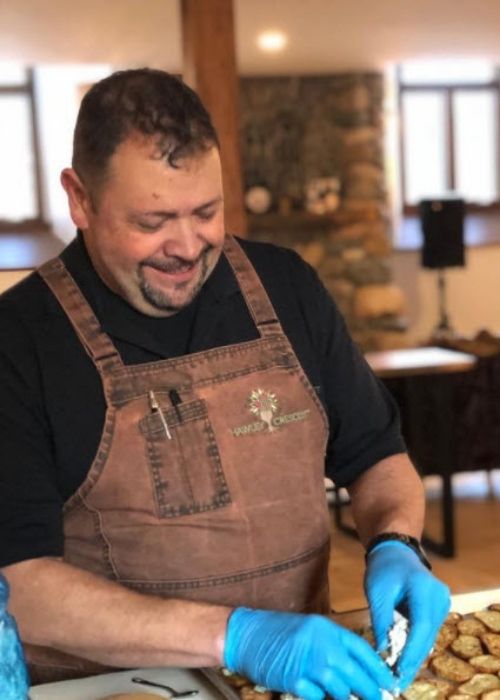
(491, 618)
(480, 683)
(465, 646)
(445, 687)
(492, 642)
(486, 663)
(423, 690)
(490, 695)
(250, 692)
(451, 668)
(133, 696)
(472, 626)
(446, 635)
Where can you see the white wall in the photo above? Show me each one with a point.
(324, 35)
(57, 89)
(473, 292)
(120, 32)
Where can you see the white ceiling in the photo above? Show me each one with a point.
(324, 35)
(343, 34)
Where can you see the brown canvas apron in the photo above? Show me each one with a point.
(208, 481)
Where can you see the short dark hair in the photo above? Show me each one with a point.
(151, 102)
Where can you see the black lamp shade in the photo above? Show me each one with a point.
(442, 222)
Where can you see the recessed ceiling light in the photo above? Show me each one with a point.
(272, 40)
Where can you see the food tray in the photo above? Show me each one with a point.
(360, 620)
(209, 681)
(216, 679)
(463, 603)
(95, 687)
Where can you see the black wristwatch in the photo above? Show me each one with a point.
(408, 540)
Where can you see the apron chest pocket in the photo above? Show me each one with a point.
(184, 460)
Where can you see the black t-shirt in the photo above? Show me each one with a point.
(51, 400)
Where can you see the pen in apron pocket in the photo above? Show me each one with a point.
(156, 408)
(176, 400)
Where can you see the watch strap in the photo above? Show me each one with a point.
(408, 540)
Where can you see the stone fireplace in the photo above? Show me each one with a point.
(297, 131)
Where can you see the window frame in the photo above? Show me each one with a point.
(37, 223)
(446, 89)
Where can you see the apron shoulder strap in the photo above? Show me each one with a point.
(253, 291)
(97, 344)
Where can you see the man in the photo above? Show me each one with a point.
(170, 395)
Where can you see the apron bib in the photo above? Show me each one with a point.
(208, 483)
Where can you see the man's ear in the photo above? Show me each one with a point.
(79, 201)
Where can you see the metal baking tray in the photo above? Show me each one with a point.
(216, 679)
(95, 687)
(360, 619)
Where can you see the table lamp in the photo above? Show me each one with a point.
(442, 223)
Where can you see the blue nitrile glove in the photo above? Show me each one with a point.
(14, 684)
(395, 575)
(307, 655)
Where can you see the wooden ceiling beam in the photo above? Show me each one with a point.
(209, 67)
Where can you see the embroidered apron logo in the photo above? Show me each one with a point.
(264, 405)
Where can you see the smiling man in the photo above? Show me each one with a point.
(171, 401)
(154, 233)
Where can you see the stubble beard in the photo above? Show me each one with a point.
(163, 301)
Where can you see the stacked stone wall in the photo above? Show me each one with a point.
(297, 129)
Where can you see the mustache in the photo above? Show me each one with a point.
(175, 263)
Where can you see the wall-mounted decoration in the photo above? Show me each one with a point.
(258, 199)
(322, 195)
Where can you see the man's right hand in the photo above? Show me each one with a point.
(307, 655)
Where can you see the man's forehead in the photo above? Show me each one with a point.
(163, 212)
(158, 147)
(136, 171)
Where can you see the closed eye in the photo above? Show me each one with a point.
(148, 226)
(205, 215)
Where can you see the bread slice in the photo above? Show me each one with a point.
(486, 663)
(492, 642)
(491, 619)
(451, 668)
(479, 684)
(494, 606)
(471, 626)
(466, 646)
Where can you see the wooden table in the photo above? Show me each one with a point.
(422, 377)
(413, 362)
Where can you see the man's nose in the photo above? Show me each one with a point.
(183, 240)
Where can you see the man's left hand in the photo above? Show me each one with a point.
(395, 575)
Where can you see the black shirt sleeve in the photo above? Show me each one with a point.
(363, 417)
(30, 505)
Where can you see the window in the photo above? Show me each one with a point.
(450, 131)
(20, 201)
